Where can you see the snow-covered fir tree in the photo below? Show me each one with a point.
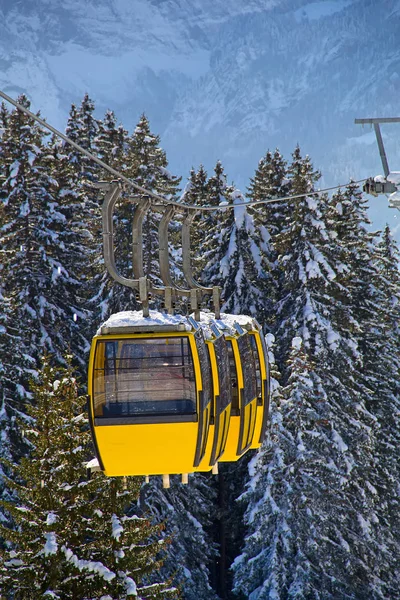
(238, 266)
(195, 193)
(29, 242)
(205, 245)
(386, 401)
(110, 141)
(75, 537)
(148, 167)
(371, 315)
(280, 549)
(46, 257)
(190, 514)
(334, 505)
(145, 162)
(270, 181)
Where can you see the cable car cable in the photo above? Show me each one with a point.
(147, 192)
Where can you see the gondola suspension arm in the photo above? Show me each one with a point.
(137, 237)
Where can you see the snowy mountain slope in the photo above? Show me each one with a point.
(224, 79)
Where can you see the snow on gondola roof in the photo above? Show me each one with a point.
(226, 322)
(129, 319)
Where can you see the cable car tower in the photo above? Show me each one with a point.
(379, 184)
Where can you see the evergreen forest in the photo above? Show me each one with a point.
(314, 514)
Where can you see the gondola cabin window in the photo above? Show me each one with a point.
(234, 379)
(249, 371)
(222, 355)
(256, 358)
(140, 377)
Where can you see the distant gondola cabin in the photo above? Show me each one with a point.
(221, 402)
(249, 373)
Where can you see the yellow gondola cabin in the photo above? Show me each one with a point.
(249, 373)
(150, 394)
(221, 395)
(260, 354)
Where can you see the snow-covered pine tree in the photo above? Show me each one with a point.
(110, 142)
(3, 117)
(385, 405)
(27, 204)
(87, 131)
(299, 245)
(147, 166)
(370, 315)
(74, 536)
(11, 405)
(190, 513)
(83, 128)
(70, 251)
(195, 193)
(240, 257)
(145, 163)
(44, 243)
(79, 171)
(207, 249)
(270, 181)
(336, 512)
(288, 504)
(218, 192)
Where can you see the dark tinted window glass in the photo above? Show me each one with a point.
(267, 366)
(205, 368)
(144, 377)
(256, 358)
(249, 371)
(225, 390)
(234, 379)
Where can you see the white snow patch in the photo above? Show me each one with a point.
(380, 178)
(269, 340)
(131, 589)
(92, 463)
(333, 339)
(132, 318)
(339, 441)
(88, 565)
(296, 343)
(117, 528)
(51, 545)
(51, 518)
(240, 211)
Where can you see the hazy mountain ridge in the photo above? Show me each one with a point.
(222, 79)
